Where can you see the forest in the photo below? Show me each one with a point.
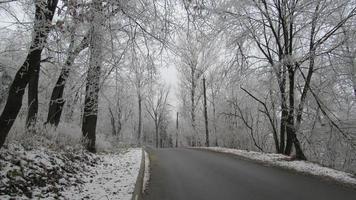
(274, 76)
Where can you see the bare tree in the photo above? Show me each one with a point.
(195, 59)
(156, 107)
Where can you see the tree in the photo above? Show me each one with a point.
(90, 112)
(275, 28)
(45, 10)
(121, 109)
(156, 107)
(195, 58)
(57, 101)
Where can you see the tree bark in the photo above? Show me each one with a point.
(206, 116)
(139, 119)
(192, 112)
(177, 129)
(90, 113)
(157, 135)
(290, 118)
(284, 112)
(112, 120)
(33, 97)
(43, 17)
(291, 129)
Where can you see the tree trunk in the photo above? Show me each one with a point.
(284, 116)
(112, 120)
(43, 18)
(192, 112)
(157, 134)
(291, 131)
(290, 118)
(33, 97)
(177, 129)
(90, 113)
(298, 150)
(206, 116)
(57, 101)
(139, 119)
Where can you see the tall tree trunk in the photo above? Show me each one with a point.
(56, 103)
(192, 111)
(290, 118)
(33, 97)
(43, 18)
(177, 129)
(284, 113)
(139, 131)
(90, 113)
(157, 135)
(206, 116)
(291, 129)
(112, 120)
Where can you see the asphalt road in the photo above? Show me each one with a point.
(187, 174)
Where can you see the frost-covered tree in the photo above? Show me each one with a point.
(44, 12)
(157, 108)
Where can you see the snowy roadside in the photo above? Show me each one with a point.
(42, 173)
(147, 175)
(113, 178)
(285, 162)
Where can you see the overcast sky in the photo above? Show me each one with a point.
(170, 77)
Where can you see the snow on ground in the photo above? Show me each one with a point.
(286, 162)
(146, 176)
(42, 173)
(113, 178)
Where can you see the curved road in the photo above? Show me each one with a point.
(187, 174)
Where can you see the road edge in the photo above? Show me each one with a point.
(137, 193)
(268, 164)
(146, 174)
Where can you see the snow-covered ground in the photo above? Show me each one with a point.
(286, 162)
(113, 178)
(42, 173)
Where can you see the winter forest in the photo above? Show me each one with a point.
(273, 76)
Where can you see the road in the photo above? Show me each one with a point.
(187, 174)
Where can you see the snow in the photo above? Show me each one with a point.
(146, 176)
(286, 162)
(44, 173)
(114, 178)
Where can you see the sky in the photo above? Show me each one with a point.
(169, 75)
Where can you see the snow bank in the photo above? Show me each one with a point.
(42, 173)
(146, 177)
(286, 162)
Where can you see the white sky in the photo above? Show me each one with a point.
(170, 76)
